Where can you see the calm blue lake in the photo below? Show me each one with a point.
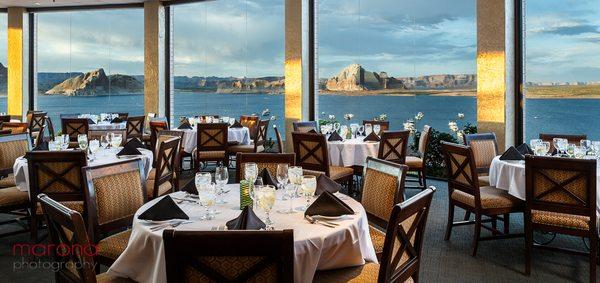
(542, 115)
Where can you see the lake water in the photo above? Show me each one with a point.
(542, 115)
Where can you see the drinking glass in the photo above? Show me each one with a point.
(94, 147)
(202, 178)
(361, 130)
(116, 140)
(579, 152)
(82, 141)
(206, 198)
(53, 145)
(265, 199)
(105, 140)
(571, 150)
(295, 175)
(354, 129)
(323, 129)
(250, 171)
(309, 186)
(221, 178)
(535, 142)
(282, 174)
(65, 142)
(586, 145)
(368, 129)
(376, 128)
(336, 126)
(596, 146)
(545, 148)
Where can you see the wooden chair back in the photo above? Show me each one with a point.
(229, 256)
(134, 127)
(383, 188)
(461, 171)
(166, 164)
(39, 138)
(311, 151)
(262, 160)
(424, 141)
(12, 147)
(278, 139)
(212, 136)
(155, 127)
(250, 122)
(14, 127)
(74, 127)
(393, 146)
(123, 116)
(401, 257)
(383, 125)
(485, 148)
(35, 122)
(306, 126)
(50, 128)
(261, 134)
(114, 192)
(576, 139)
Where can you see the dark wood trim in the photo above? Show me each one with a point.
(85, 7)
(3, 10)
(312, 94)
(167, 64)
(519, 72)
(181, 2)
(31, 61)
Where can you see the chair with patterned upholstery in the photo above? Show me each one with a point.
(67, 229)
(114, 192)
(250, 122)
(383, 125)
(12, 200)
(161, 179)
(561, 198)
(401, 258)
(134, 128)
(574, 139)
(306, 126)
(4, 118)
(211, 144)
(58, 175)
(278, 139)
(181, 153)
(383, 187)
(465, 192)
(229, 256)
(74, 127)
(393, 146)
(155, 127)
(267, 161)
(258, 144)
(14, 127)
(312, 155)
(417, 163)
(36, 121)
(485, 148)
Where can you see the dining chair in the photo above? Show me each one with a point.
(312, 155)
(155, 127)
(67, 229)
(113, 194)
(74, 127)
(393, 146)
(305, 126)
(267, 161)
(162, 178)
(383, 125)
(57, 174)
(383, 188)
(576, 139)
(561, 198)
(181, 152)
(123, 116)
(211, 144)
(12, 200)
(12, 147)
(4, 118)
(250, 122)
(278, 139)
(229, 256)
(465, 192)
(402, 251)
(14, 127)
(50, 128)
(485, 149)
(134, 128)
(36, 121)
(417, 164)
(259, 142)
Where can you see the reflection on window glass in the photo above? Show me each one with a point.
(228, 59)
(397, 58)
(3, 61)
(562, 67)
(90, 62)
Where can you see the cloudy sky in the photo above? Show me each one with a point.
(246, 38)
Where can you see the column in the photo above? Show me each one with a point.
(18, 62)
(154, 58)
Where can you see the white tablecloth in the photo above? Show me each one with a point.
(102, 157)
(316, 247)
(106, 126)
(239, 135)
(510, 176)
(351, 152)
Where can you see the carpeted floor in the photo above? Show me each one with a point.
(497, 261)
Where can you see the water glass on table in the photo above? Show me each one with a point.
(308, 188)
(82, 140)
(116, 140)
(221, 178)
(265, 199)
(94, 146)
(206, 198)
(282, 175)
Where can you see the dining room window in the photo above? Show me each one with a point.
(3, 61)
(90, 62)
(228, 59)
(393, 59)
(561, 67)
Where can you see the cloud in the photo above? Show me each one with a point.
(572, 30)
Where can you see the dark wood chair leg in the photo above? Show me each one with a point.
(467, 216)
(351, 186)
(450, 221)
(477, 233)
(424, 179)
(495, 225)
(506, 223)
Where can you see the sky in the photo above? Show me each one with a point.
(246, 38)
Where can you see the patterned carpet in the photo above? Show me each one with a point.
(497, 261)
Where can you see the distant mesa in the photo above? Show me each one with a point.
(97, 83)
(355, 78)
(3, 75)
(271, 85)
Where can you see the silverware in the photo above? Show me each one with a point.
(180, 200)
(325, 221)
(315, 221)
(170, 224)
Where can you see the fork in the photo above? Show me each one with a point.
(315, 221)
(172, 225)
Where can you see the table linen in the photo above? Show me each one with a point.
(238, 135)
(351, 152)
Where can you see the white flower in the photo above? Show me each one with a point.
(382, 117)
(409, 126)
(348, 116)
(266, 112)
(419, 116)
(453, 126)
(459, 135)
(461, 115)
(273, 118)
(331, 117)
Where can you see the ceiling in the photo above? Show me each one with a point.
(61, 3)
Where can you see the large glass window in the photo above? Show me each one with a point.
(398, 58)
(3, 61)
(229, 59)
(90, 62)
(562, 67)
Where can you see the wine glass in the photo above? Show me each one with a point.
(361, 130)
(336, 126)
(265, 199)
(323, 129)
(65, 142)
(579, 152)
(534, 142)
(202, 178)
(544, 148)
(94, 147)
(596, 146)
(282, 174)
(586, 145)
(116, 140)
(376, 128)
(571, 150)
(250, 172)
(309, 186)
(82, 141)
(354, 129)
(53, 145)
(206, 198)
(221, 178)
(368, 129)
(105, 140)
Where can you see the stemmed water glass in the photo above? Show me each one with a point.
(309, 186)
(250, 175)
(544, 148)
(64, 142)
(265, 199)
(368, 129)
(221, 178)
(361, 130)
(83, 142)
(596, 146)
(116, 140)
(282, 175)
(376, 128)
(94, 147)
(206, 198)
(105, 140)
(354, 129)
(586, 145)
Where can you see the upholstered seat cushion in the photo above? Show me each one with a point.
(337, 172)
(105, 278)
(312, 172)
(8, 181)
(13, 196)
(146, 138)
(414, 162)
(113, 246)
(218, 154)
(491, 197)
(377, 238)
(245, 148)
(364, 273)
(164, 188)
(152, 174)
(579, 222)
(484, 180)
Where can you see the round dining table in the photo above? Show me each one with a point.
(102, 157)
(509, 175)
(351, 152)
(316, 247)
(240, 136)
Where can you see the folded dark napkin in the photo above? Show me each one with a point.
(236, 124)
(164, 209)
(372, 137)
(267, 178)
(116, 120)
(246, 221)
(327, 204)
(91, 122)
(524, 149)
(325, 184)
(512, 154)
(185, 126)
(312, 131)
(335, 137)
(135, 143)
(129, 149)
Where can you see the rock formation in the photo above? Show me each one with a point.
(3, 78)
(258, 85)
(97, 83)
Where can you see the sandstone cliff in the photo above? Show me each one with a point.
(97, 83)
(3, 79)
